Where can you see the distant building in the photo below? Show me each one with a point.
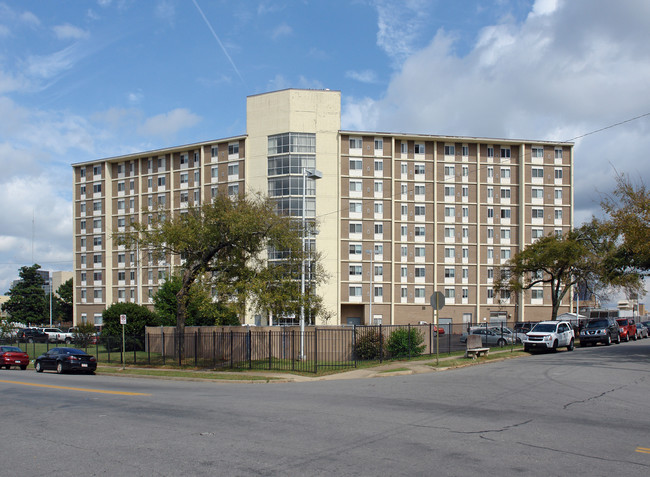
(400, 215)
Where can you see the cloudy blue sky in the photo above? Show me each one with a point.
(81, 80)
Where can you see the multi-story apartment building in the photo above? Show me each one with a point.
(400, 216)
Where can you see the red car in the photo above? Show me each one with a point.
(627, 328)
(13, 356)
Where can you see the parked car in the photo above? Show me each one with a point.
(520, 330)
(488, 336)
(600, 330)
(647, 325)
(505, 331)
(13, 356)
(550, 335)
(641, 331)
(627, 328)
(31, 335)
(66, 359)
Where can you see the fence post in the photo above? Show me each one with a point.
(250, 349)
(214, 348)
(408, 339)
(148, 338)
(381, 345)
(231, 358)
(181, 344)
(293, 356)
(162, 337)
(108, 347)
(354, 344)
(315, 349)
(431, 338)
(269, 350)
(196, 347)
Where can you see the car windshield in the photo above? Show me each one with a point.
(622, 322)
(597, 324)
(544, 328)
(15, 349)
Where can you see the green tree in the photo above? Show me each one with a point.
(223, 242)
(27, 302)
(64, 301)
(627, 223)
(577, 257)
(137, 317)
(201, 309)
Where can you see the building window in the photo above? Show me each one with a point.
(505, 153)
(558, 153)
(161, 181)
(355, 270)
(537, 193)
(355, 186)
(558, 173)
(537, 152)
(355, 228)
(537, 294)
(419, 252)
(536, 233)
(419, 148)
(379, 166)
(355, 207)
(450, 171)
(505, 173)
(404, 148)
(355, 249)
(356, 165)
(450, 150)
(233, 149)
(537, 172)
(355, 291)
(505, 213)
(465, 151)
(419, 169)
(537, 213)
(450, 272)
(505, 193)
(379, 145)
(356, 143)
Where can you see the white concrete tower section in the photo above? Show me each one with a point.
(303, 111)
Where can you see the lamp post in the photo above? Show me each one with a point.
(372, 291)
(314, 174)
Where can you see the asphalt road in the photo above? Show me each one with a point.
(583, 412)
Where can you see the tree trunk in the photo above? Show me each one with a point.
(182, 297)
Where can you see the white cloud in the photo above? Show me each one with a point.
(365, 76)
(169, 123)
(567, 69)
(166, 10)
(29, 18)
(398, 26)
(49, 66)
(69, 32)
(281, 30)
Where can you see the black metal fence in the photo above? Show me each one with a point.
(281, 348)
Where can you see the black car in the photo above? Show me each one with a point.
(66, 359)
(31, 335)
(600, 330)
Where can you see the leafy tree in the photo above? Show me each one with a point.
(27, 303)
(83, 334)
(201, 310)
(577, 257)
(406, 342)
(224, 242)
(137, 317)
(64, 302)
(628, 224)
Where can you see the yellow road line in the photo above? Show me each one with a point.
(644, 450)
(100, 391)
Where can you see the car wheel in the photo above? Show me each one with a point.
(526, 348)
(501, 343)
(23, 367)
(618, 339)
(59, 368)
(571, 345)
(634, 337)
(39, 367)
(555, 343)
(608, 341)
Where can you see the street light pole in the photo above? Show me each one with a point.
(315, 174)
(372, 291)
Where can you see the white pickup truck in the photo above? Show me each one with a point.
(56, 335)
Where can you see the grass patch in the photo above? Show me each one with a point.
(171, 373)
(393, 370)
(462, 361)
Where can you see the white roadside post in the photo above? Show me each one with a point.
(123, 322)
(315, 174)
(437, 301)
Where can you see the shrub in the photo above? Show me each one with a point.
(369, 345)
(405, 342)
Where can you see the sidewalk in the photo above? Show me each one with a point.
(392, 368)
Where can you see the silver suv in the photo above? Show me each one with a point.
(550, 335)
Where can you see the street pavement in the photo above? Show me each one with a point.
(582, 412)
